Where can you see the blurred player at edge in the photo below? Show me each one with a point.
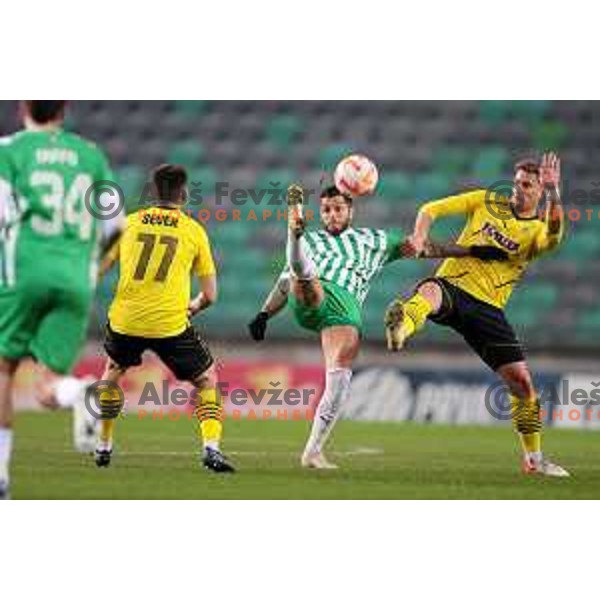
(48, 262)
(469, 295)
(159, 251)
(328, 275)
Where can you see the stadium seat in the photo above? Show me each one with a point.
(489, 164)
(282, 130)
(396, 186)
(191, 108)
(529, 110)
(204, 177)
(550, 135)
(451, 160)
(332, 154)
(494, 112)
(580, 245)
(430, 186)
(529, 306)
(273, 183)
(524, 315)
(131, 178)
(588, 326)
(188, 153)
(543, 295)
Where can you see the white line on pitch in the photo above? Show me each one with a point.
(352, 452)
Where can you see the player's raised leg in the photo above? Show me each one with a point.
(340, 348)
(209, 413)
(404, 318)
(7, 370)
(57, 391)
(527, 420)
(299, 261)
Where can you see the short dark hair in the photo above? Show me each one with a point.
(332, 191)
(169, 181)
(529, 165)
(43, 111)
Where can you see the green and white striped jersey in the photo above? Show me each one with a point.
(352, 258)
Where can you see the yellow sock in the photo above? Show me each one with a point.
(210, 414)
(110, 407)
(416, 311)
(532, 442)
(527, 423)
(107, 426)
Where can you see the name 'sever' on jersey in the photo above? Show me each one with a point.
(44, 179)
(491, 221)
(352, 258)
(159, 252)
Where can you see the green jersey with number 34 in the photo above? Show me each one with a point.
(47, 183)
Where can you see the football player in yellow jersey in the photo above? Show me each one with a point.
(469, 294)
(159, 251)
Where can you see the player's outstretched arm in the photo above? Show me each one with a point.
(431, 211)
(275, 302)
(555, 218)
(204, 268)
(551, 235)
(453, 250)
(109, 251)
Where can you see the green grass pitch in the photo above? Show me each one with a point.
(155, 460)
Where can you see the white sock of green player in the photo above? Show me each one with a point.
(298, 258)
(337, 390)
(6, 440)
(69, 390)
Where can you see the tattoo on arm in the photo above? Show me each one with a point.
(277, 298)
(555, 216)
(444, 250)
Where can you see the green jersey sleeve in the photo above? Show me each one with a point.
(394, 238)
(6, 180)
(6, 170)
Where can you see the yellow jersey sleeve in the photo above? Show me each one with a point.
(454, 205)
(204, 263)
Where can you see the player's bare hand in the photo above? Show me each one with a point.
(414, 246)
(194, 307)
(407, 249)
(550, 171)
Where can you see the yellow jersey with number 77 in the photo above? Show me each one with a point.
(159, 252)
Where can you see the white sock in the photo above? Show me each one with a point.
(337, 390)
(103, 446)
(535, 457)
(298, 258)
(68, 390)
(6, 438)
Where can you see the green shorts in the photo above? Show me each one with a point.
(338, 308)
(45, 320)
